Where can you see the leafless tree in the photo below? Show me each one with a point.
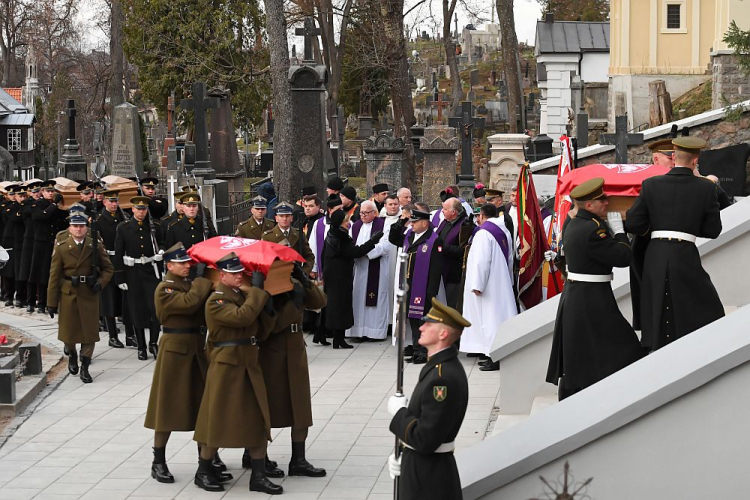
(511, 61)
(15, 16)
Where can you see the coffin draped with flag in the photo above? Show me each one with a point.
(273, 260)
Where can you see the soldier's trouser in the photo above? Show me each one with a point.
(9, 287)
(86, 349)
(31, 293)
(21, 291)
(415, 333)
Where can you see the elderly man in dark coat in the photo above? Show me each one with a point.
(592, 339)
(74, 291)
(338, 255)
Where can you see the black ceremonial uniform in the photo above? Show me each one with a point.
(9, 280)
(158, 206)
(167, 220)
(27, 211)
(677, 295)
(110, 304)
(133, 240)
(188, 231)
(433, 417)
(592, 339)
(19, 231)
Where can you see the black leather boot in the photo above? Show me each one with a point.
(140, 336)
(204, 477)
(219, 463)
(130, 338)
(153, 340)
(298, 466)
(30, 307)
(220, 469)
(159, 469)
(272, 467)
(259, 481)
(72, 362)
(339, 342)
(85, 377)
(114, 341)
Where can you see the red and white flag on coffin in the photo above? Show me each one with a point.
(255, 255)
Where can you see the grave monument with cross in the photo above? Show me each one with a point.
(621, 139)
(127, 154)
(200, 104)
(311, 158)
(465, 124)
(71, 164)
(439, 103)
(169, 140)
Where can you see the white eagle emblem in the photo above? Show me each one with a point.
(232, 243)
(627, 168)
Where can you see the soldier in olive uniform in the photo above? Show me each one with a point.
(427, 428)
(190, 229)
(158, 205)
(234, 412)
(283, 358)
(285, 234)
(138, 258)
(74, 286)
(257, 223)
(180, 371)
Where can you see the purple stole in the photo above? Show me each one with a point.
(498, 234)
(421, 274)
(436, 218)
(373, 270)
(320, 236)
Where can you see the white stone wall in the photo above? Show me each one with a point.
(558, 95)
(594, 67)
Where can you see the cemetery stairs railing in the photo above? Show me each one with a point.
(524, 342)
(672, 425)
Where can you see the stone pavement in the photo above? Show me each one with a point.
(88, 441)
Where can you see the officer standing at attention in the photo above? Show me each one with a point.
(428, 427)
(157, 204)
(190, 229)
(138, 271)
(285, 234)
(677, 295)
(75, 291)
(592, 339)
(257, 223)
(181, 366)
(234, 410)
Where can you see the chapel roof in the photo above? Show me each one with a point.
(15, 92)
(566, 37)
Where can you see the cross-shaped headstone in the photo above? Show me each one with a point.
(465, 125)
(71, 112)
(309, 31)
(200, 104)
(440, 104)
(621, 139)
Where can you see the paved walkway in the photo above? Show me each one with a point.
(88, 441)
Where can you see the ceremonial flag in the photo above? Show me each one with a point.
(562, 201)
(532, 242)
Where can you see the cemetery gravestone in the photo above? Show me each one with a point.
(200, 105)
(465, 124)
(474, 77)
(506, 158)
(439, 146)
(621, 139)
(72, 165)
(386, 162)
(224, 154)
(127, 154)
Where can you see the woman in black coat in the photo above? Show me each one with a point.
(338, 257)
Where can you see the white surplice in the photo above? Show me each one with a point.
(490, 272)
(390, 220)
(313, 241)
(371, 321)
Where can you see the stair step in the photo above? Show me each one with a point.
(543, 401)
(505, 422)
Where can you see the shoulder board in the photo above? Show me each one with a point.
(173, 222)
(596, 222)
(58, 242)
(242, 223)
(270, 231)
(169, 281)
(218, 292)
(439, 368)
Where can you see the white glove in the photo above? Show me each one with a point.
(395, 403)
(394, 466)
(159, 256)
(550, 255)
(123, 287)
(615, 222)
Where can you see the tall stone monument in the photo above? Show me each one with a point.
(311, 158)
(439, 146)
(506, 158)
(127, 154)
(169, 140)
(71, 164)
(466, 124)
(200, 104)
(224, 156)
(386, 162)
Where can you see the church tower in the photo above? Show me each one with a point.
(31, 90)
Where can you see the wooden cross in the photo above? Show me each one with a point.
(465, 125)
(200, 104)
(621, 139)
(440, 104)
(309, 31)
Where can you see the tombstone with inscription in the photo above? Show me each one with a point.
(417, 132)
(224, 156)
(474, 77)
(71, 164)
(200, 104)
(386, 161)
(311, 158)
(506, 158)
(127, 155)
(439, 146)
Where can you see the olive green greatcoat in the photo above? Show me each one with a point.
(234, 410)
(294, 240)
(78, 307)
(180, 370)
(251, 229)
(283, 358)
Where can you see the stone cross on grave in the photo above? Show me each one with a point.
(440, 104)
(465, 124)
(170, 115)
(71, 112)
(200, 104)
(309, 31)
(621, 139)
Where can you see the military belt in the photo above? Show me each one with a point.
(132, 261)
(188, 330)
(673, 235)
(238, 342)
(443, 448)
(589, 278)
(293, 328)
(110, 252)
(79, 279)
